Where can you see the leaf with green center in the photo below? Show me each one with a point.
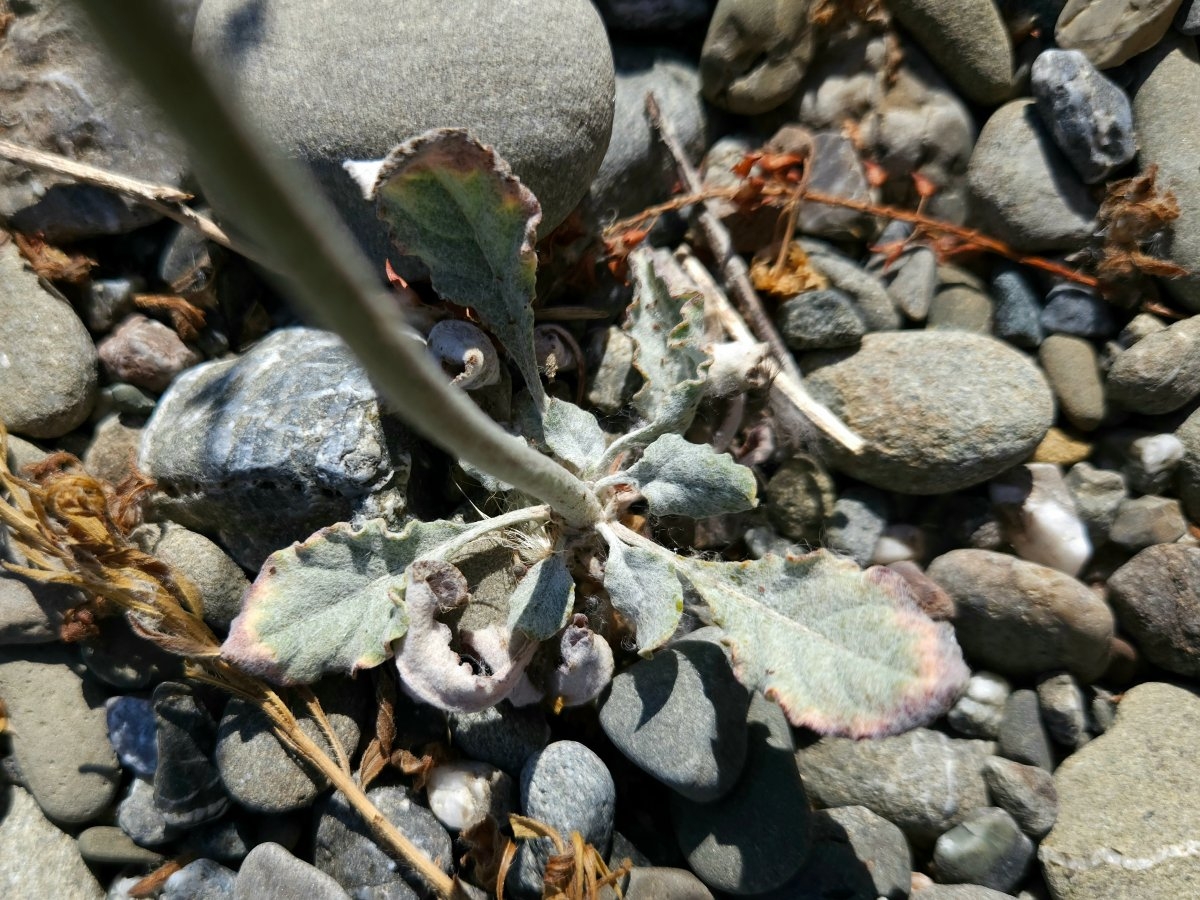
(322, 605)
(573, 434)
(645, 590)
(679, 478)
(541, 604)
(842, 651)
(454, 203)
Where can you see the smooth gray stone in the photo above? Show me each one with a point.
(121, 659)
(39, 859)
(1110, 32)
(108, 301)
(755, 53)
(870, 296)
(109, 846)
(133, 733)
(967, 39)
(799, 497)
(680, 717)
(1073, 370)
(654, 15)
(850, 842)
(220, 580)
(139, 818)
(49, 370)
(187, 785)
(911, 282)
(1160, 373)
(1189, 467)
(532, 78)
(1023, 738)
(225, 840)
(958, 307)
(1017, 317)
(569, 788)
(501, 735)
(1127, 810)
(960, 892)
(987, 849)
(836, 169)
(1146, 521)
(202, 879)
(271, 871)
(1152, 462)
(1063, 713)
(1025, 192)
(63, 93)
(58, 732)
(1025, 792)
(856, 523)
(757, 836)
(31, 612)
(1098, 494)
(1156, 596)
(114, 446)
(264, 449)
(820, 320)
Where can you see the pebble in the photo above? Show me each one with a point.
(934, 601)
(1076, 310)
(1142, 775)
(958, 307)
(1090, 117)
(501, 735)
(113, 450)
(967, 39)
(1110, 32)
(271, 871)
(187, 785)
(127, 399)
(1025, 191)
(119, 658)
(800, 495)
(108, 300)
(1189, 467)
(343, 849)
(680, 717)
(567, 787)
(145, 353)
(1063, 713)
(1039, 518)
(225, 840)
(756, 837)
(923, 781)
(980, 710)
(1140, 326)
(58, 733)
(202, 879)
(1187, 20)
(1145, 521)
(65, 95)
(987, 848)
(854, 853)
(39, 859)
(463, 794)
(755, 53)
(532, 78)
(870, 296)
(1025, 792)
(1160, 373)
(1166, 110)
(1018, 314)
(662, 883)
(991, 405)
(1098, 494)
(1021, 619)
(1073, 370)
(835, 169)
(900, 542)
(959, 892)
(911, 282)
(31, 611)
(264, 449)
(654, 15)
(820, 320)
(140, 819)
(133, 733)
(47, 359)
(1023, 737)
(1152, 461)
(107, 845)
(856, 523)
(220, 581)
(1061, 449)
(1156, 596)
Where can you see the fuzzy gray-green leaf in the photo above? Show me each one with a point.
(322, 605)
(679, 478)
(645, 590)
(455, 204)
(842, 651)
(572, 434)
(541, 604)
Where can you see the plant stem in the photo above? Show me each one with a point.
(284, 212)
(539, 514)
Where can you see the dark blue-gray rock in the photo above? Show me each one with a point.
(264, 449)
(139, 818)
(1097, 494)
(799, 497)
(1127, 811)
(344, 849)
(757, 836)
(924, 782)
(835, 168)
(501, 735)
(126, 399)
(637, 171)
(133, 733)
(1160, 373)
(1073, 370)
(1025, 192)
(939, 410)
(567, 787)
(680, 716)
(755, 53)
(202, 879)
(531, 78)
(958, 307)
(968, 40)
(1187, 19)
(1166, 112)
(1156, 596)
(987, 848)
(856, 523)
(58, 733)
(64, 94)
(31, 612)
(1023, 737)
(1110, 32)
(1025, 792)
(108, 845)
(654, 15)
(1146, 521)
(1077, 310)
(220, 580)
(1090, 117)
(869, 295)
(820, 320)
(1018, 313)
(39, 858)
(270, 871)
(47, 359)
(980, 710)
(187, 785)
(1063, 710)
(226, 840)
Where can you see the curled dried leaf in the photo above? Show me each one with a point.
(795, 276)
(463, 350)
(586, 667)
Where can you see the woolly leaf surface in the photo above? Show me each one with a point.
(541, 604)
(679, 478)
(644, 589)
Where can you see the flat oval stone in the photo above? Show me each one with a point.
(1109, 32)
(967, 39)
(1156, 596)
(940, 410)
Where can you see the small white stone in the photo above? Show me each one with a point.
(1040, 518)
(898, 543)
(1157, 452)
(462, 794)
